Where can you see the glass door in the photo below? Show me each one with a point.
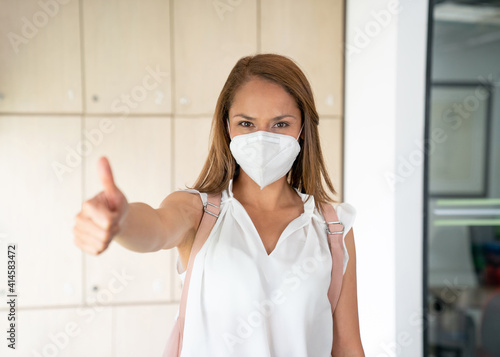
(462, 243)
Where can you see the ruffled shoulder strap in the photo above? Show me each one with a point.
(203, 195)
(334, 232)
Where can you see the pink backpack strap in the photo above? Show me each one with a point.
(212, 210)
(335, 230)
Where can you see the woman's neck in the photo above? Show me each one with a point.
(274, 196)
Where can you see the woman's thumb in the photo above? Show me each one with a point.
(107, 181)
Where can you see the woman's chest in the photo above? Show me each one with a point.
(238, 271)
(270, 226)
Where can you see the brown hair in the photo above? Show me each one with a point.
(309, 167)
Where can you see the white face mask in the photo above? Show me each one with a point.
(264, 156)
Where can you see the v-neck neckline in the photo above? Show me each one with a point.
(308, 206)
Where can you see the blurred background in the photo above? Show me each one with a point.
(136, 81)
(407, 92)
(463, 198)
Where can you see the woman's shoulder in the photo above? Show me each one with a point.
(182, 197)
(346, 213)
(182, 192)
(189, 197)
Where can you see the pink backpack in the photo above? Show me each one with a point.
(335, 239)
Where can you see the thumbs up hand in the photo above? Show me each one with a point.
(101, 217)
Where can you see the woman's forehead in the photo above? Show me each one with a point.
(258, 98)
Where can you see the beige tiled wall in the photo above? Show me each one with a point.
(136, 81)
(311, 33)
(40, 67)
(124, 41)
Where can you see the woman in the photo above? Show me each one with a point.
(265, 160)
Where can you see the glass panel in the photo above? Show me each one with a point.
(463, 181)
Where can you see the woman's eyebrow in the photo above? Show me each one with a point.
(274, 119)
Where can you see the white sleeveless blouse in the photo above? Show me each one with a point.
(243, 302)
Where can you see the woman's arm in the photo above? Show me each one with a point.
(346, 336)
(136, 226)
(142, 229)
(146, 229)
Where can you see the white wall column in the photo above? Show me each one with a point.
(383, 173)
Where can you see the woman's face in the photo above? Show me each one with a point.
(264, 105)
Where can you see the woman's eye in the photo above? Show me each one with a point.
(282, 124)
(244, 123)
